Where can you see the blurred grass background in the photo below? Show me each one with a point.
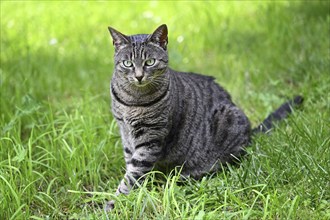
(57, 132)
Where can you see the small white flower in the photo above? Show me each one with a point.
(53, 41)
(180, 39)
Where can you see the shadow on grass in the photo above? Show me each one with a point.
(312, 9)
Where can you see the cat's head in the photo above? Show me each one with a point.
(140, 59)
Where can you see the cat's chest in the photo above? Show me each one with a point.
(130, 116)
(126, 113)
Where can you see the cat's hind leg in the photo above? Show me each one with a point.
(233, 133)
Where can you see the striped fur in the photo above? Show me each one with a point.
(170, 118)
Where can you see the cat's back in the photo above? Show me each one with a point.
(204, 88)
(196, 77)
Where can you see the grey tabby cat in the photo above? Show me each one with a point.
(169, 118)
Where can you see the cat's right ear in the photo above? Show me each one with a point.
(119, 40)
(160, 36)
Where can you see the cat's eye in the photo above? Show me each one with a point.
(127, 63)
(150, 62)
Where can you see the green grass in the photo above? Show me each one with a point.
(60, 151)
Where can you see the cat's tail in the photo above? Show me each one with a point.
(279, 114)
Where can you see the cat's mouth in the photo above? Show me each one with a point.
(141, 84)
(148, 82)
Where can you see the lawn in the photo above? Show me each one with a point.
(60, 151)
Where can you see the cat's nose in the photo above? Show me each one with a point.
(139, 74)
(139, 78)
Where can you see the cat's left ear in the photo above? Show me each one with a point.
(160, 36)
(118, 38)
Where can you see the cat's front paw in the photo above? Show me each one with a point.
(109, 206)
